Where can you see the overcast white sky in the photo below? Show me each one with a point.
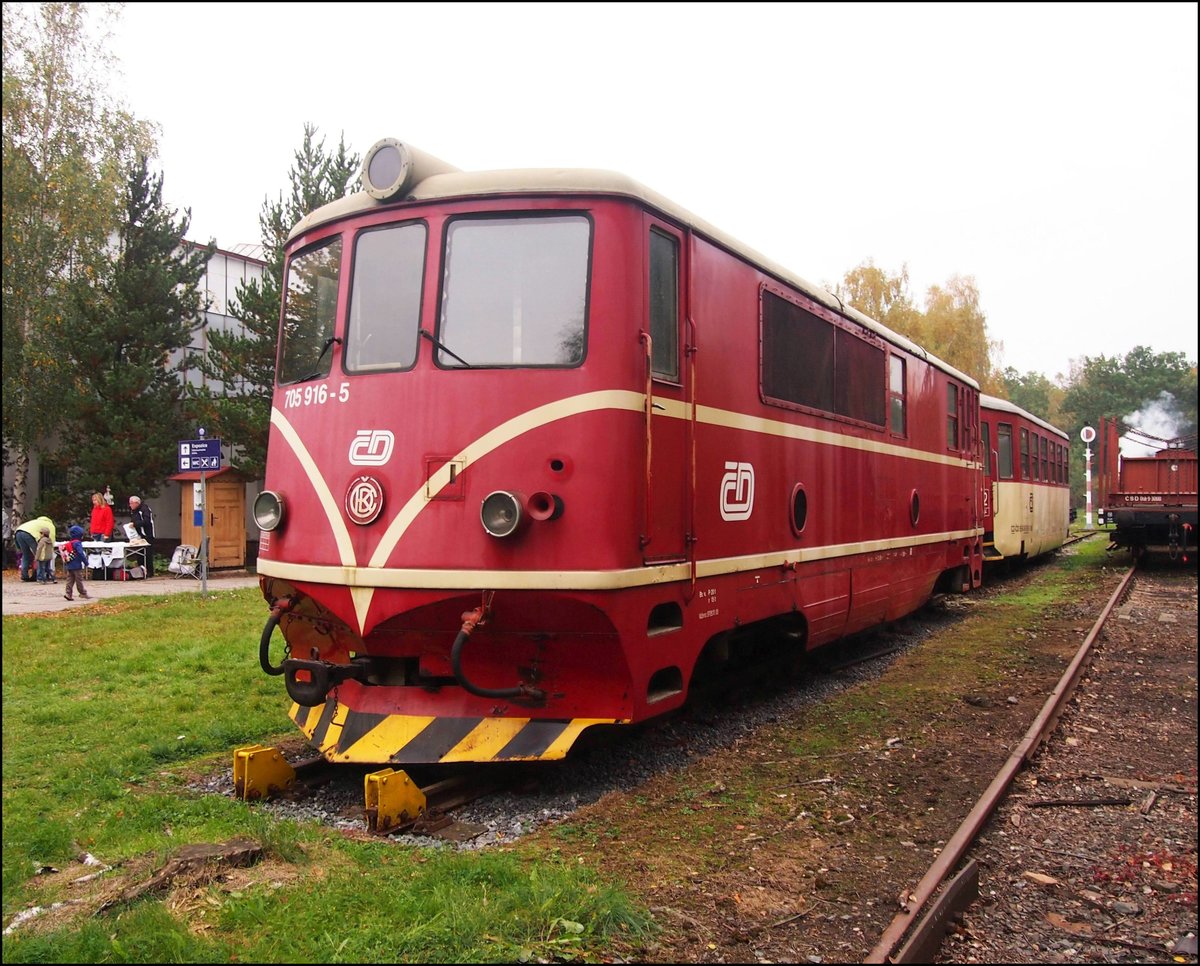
(1050, 151)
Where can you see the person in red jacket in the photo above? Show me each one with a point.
(102, 518)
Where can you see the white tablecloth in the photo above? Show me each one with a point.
(106, 556)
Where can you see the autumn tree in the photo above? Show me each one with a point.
(66, 146)
(881, 296)
(129, 350)
(955, 330)
(245, 363)
(952, 326)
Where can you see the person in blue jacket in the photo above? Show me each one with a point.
(76, 560)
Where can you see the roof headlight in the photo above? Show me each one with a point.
(386, 169)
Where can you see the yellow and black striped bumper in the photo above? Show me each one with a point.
(341, 734)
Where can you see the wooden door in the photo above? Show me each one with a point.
(226, 513)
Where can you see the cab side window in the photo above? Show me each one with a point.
(664, 305)
(897, 395)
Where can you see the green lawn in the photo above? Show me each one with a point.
(105, 712)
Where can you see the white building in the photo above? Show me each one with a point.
(225, 272)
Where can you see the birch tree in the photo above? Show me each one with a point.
(67, 146)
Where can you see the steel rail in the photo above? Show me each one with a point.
(957, 847)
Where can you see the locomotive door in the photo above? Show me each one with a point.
(668, 418)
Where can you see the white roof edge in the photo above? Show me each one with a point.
(995, 402)
(589, 181)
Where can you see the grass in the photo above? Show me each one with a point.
(107, 710)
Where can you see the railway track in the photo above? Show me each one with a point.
(917, 932)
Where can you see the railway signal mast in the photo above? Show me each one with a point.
(1087, 434)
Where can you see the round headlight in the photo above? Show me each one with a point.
(386, 168)
(268, 510)
(501, 513)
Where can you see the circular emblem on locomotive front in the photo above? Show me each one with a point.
(364, 500)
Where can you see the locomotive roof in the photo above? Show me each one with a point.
(995, 402)
(453, 184)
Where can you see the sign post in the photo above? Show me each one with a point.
(203, 455)
(1087, 434)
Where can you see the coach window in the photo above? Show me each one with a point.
(514, 292)
(1035, 458)
(1004, 451)
(897, 395)
(309, 312)
(985, 434)
(385, 298)
(952, 416)
(811, 362)
(858, 379)
(1045, 460)
(664, 305)
(1024, 454)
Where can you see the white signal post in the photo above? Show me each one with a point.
(1087, 434)
(204, 528)
(202, 454)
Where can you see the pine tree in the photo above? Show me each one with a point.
(130, 349)
(245, 364)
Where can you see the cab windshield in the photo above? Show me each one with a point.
(514, 292)
(385, 298)
(309, 313)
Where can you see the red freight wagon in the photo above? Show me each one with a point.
(1150, 500)
(545, 446)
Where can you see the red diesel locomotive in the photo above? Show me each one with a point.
(543, 444)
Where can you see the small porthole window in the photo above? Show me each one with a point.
(799, 509)
(914, 507)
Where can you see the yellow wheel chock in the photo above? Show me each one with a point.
(391, 799)
(260, 773)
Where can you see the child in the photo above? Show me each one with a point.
(76, 559)
(45, 557)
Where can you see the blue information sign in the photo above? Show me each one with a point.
(202, 455)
